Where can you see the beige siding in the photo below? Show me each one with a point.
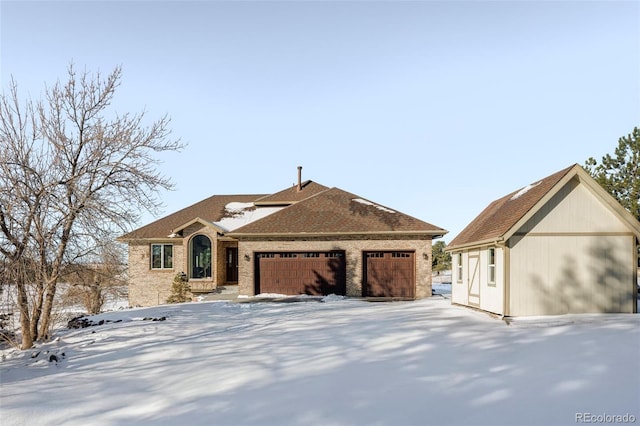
(571, 274)
(354, 261)
(574, 209)
(475, 289)
(573, 256)
(459, 278)
(491, 294)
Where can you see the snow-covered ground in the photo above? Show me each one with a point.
(335, 362)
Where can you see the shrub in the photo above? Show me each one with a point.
(180, 289)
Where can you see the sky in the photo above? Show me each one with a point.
(431, 108)
(341, 362)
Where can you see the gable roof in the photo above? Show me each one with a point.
(334, 211)
(504, 216)
(208, 210)
(292, 195)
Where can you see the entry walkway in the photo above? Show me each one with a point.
(227, 292)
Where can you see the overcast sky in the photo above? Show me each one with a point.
(431, 108)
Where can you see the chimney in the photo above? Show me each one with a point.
(299, 178)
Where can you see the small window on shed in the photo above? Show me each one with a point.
(459, 268)
(491, 261)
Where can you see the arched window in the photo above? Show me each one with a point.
(200, 257)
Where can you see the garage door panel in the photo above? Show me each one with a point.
(312, 273)
(389, 274)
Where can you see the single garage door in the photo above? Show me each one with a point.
(313, 273)
(389, 274)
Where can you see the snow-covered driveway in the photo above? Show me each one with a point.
(340, 362)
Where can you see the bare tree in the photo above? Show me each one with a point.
(89, 283)
(72, 174)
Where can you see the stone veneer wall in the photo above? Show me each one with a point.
(354, 258)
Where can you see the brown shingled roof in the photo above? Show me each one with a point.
(292, 195)
(335, 211)
(211, 209)
(502, 214)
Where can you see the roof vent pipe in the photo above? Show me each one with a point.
(299, 178)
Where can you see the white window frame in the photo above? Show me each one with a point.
(491, 265)
(459, 268)
(163, 256)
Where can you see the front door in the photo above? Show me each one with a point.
(232, 264)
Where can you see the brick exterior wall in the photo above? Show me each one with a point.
(354, 259)
(150, 287)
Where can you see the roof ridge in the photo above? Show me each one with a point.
(333, 211)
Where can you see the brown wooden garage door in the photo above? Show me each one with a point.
(313, 273)
(389, 274)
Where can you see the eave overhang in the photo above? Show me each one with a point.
(432, 234)
(476, 244)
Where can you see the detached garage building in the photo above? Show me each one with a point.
(306, 239)
(560, 245)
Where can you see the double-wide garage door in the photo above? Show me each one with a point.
(386, 274)
(389, 274)
(313, 273)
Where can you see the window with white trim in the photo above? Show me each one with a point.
(491, 265)
(161, 256)
(459, 268)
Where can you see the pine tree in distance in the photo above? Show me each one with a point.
(620, 174)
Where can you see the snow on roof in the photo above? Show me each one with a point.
(369, 203)
(524, 190)
(240, 214)
(236, 206)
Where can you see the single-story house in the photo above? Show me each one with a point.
(305, 239)
(559, 245)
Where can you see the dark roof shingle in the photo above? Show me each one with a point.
(335, 211)
(211, 209)
(292, 195)
(502, 214)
